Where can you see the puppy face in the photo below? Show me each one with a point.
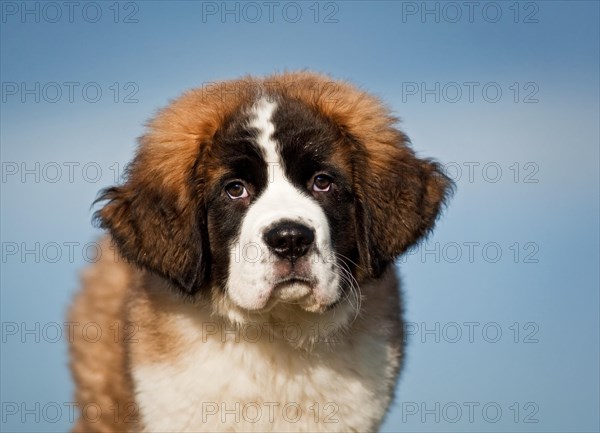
(282, 204)
(279, 195)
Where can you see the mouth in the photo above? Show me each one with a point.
(292, 288)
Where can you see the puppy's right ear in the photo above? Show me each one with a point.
(157, 218)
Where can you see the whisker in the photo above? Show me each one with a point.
(346, 258)
(354, 288)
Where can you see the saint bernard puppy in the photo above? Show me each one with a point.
(247, 282)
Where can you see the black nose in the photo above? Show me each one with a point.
(289, 240)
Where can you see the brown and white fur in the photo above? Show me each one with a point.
(247, 283)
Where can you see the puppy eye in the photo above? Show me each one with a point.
(322, 183)
(236, 190)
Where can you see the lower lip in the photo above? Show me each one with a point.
(291, 282)
(292, 290)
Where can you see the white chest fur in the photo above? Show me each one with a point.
(258, 383)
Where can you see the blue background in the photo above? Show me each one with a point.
(548, 283)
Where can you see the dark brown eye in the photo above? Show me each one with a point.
(322, 183)
(236, 190)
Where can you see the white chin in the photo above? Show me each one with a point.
(292, 292)
(298, 294)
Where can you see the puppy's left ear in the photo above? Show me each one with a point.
(399, 198)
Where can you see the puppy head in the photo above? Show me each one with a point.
(273, 194)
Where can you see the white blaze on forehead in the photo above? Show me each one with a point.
(262, 121)
(251, 279)
(263, 113)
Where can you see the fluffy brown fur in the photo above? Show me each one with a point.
(156, 221)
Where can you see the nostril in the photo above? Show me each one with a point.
(305, 235)
(289, 239)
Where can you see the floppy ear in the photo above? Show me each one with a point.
(157, 218)
(399, 197)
